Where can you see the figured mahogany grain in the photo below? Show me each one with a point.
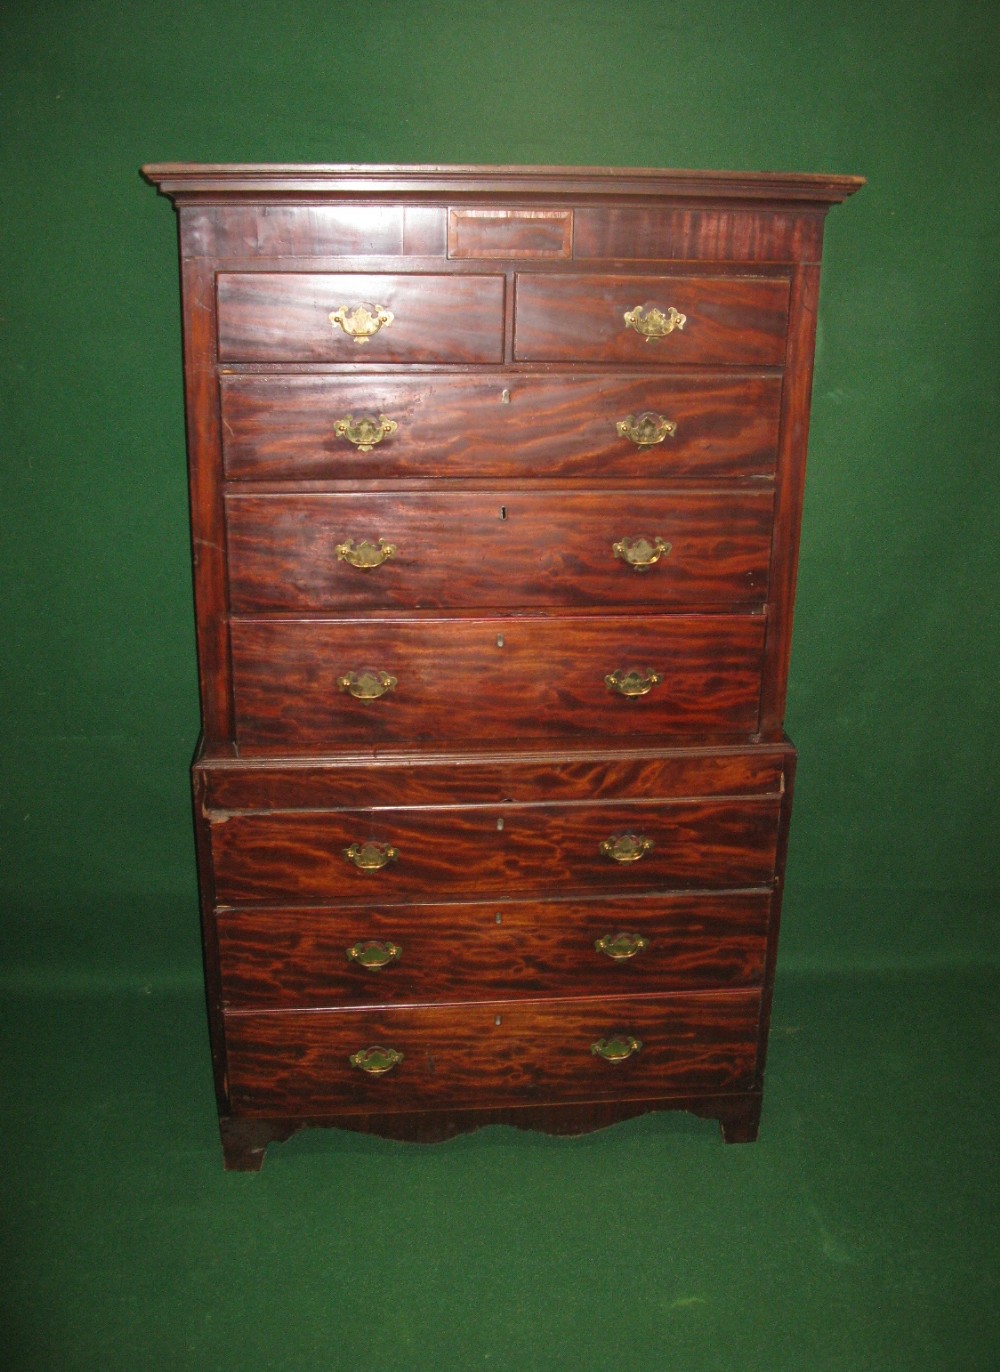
(297, 956)
(284, 317)
(486, 234)
(496, 548)
(528, 676)
(511, 424)
(637, 232)
(540, 1050)
(512, 850)
(498, 765)
(484, 774)
(567, 318)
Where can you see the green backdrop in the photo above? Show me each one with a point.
(894, 845)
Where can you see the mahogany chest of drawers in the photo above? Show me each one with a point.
(496, 477)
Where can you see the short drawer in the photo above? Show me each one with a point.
(675, 319)
(495, 549)
(281, 1062)
(353, 317)
(475, 852)
(374, 954)
(372, 426)
(310, 685)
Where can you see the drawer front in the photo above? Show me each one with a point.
(382, 954)
(294, 680)
(286, 317)
(503, 425)
(283, 1061)
(350, 552)
(726, 319)
(506, 850)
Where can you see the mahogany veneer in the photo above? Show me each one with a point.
(496, 477)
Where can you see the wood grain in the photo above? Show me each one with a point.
(540, 1050)
(487, 775)
(461, 425)
(498, 548)
(284, 317)
(297, 956)
(528, 677)
(730, 319)
(507, 850)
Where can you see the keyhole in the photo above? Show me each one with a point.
(503, 511)
(505, 396)
(500, 825)
(499, 640)
(499, 917)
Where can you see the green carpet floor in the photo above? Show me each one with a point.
(859, 1234)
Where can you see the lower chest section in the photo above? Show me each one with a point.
(491, 933)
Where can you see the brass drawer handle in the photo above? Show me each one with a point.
(365, 433)
(618, 947)
(640, 553)
(376, 1061)
(367, 554)
(634, 683)
(617, 1049)
(362, 322)
(367, 685)
(654, 323)
(373, 954)
(646, 429)
(626, 847)
(370, 857)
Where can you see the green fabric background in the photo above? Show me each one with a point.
(893, 866)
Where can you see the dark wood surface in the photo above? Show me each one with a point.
(540, 1050)
(297, 956)
(506, 850)
(285, 317)
(565, 318)
(511, 425)
(495, 549)
(499, 762)
(487, 774)
(541, 677)
(245, 1138)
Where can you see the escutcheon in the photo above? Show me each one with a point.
(365, 555)
(621, 946)
(626, 847)
(365, 433)
(646, 430)
(361, 322)
(653, 324)
(376, 1060)
(641, 553)
(373, 954)
(367, 685)
(371, 857)
(616, 1049)
(633, 683)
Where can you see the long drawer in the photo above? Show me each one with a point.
(674, 319)
(381, 855)
(293, 317)
(346, 552)
(298, 956)
(503, 424)
(296, 683)
(513, 1053)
